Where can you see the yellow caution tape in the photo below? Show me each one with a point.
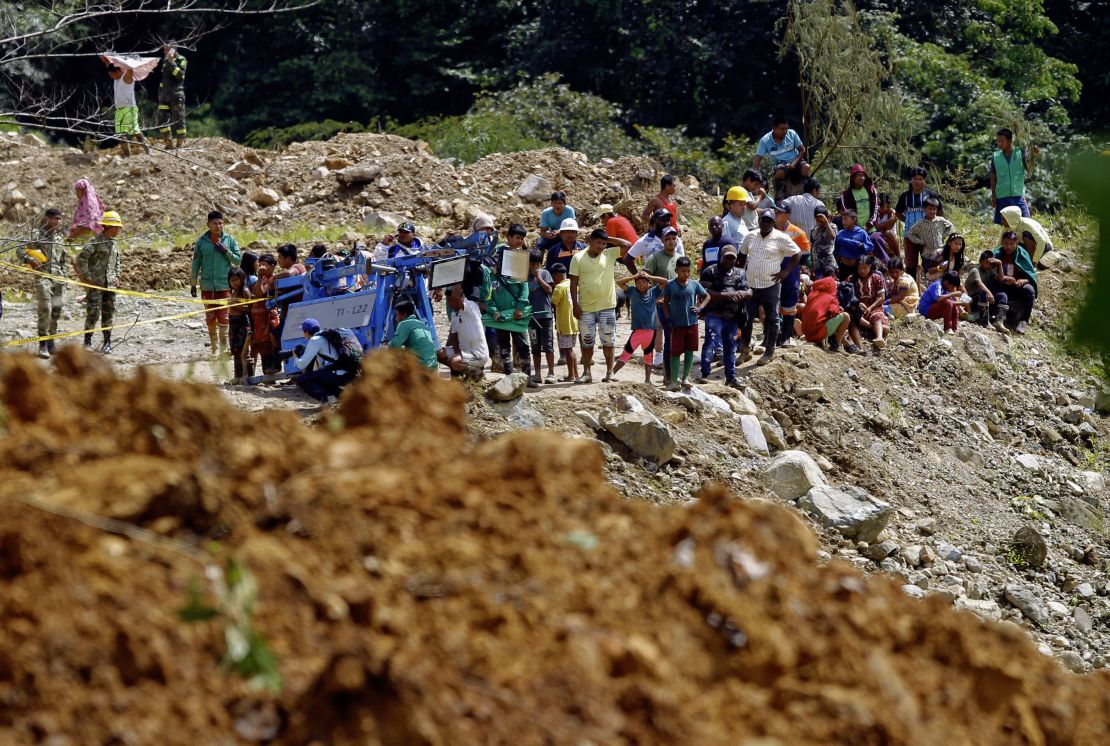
(119, 291)
(64, 335)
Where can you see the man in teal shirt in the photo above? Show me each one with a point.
(413, 335)
(1008, 167)
(214, 254)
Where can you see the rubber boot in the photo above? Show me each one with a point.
(50, 347)
(44, 351)
(222, 329)
(984, 314)
(212, 340)
(88, 341)
(107, 343)
(998, 322)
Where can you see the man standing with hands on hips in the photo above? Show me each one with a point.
(771, 257)
(214, 254)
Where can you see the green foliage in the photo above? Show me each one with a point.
(471, 136)
(248, 654)
(1091, 178)
(280, 137)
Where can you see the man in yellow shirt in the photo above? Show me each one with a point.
(593, 293)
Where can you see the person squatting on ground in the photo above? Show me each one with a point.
(44, 252)
(940, 301)
(871, 292)
(901, 290)
(98, 264)
(466, 352)
(171, 97)
(643, 300)
(214, 254)
(822, 318)
(684, 299)
(984, 284)
(239, 322)
(327, 362)
(593, 294)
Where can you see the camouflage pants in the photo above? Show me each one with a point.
(49, 295)
(171, 115)
(99, 304)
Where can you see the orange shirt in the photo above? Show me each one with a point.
(621, 227)
(798, 235)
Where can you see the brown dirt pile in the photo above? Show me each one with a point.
(418, 588)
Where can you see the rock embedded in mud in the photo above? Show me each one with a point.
(1029, 547)
(753, 433)
(362, 173)
(520, 412)
(640, 431)
(1027, 603)
(792, 474)
(852, 511)
(265, 197)
(508, 388)
(535, 189)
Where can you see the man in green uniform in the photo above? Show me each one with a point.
(46, 253)
(98, 264)
(171, 97)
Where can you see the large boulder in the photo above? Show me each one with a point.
(360, 173)
(520, 412)
(243, 170)
(1029, 547)
(508, 387)
(534, 189)
(639, 430)
(265, 197)
(792, 474)
(980, 347)
(850, 510)
(753, 433)
(1027, 603)
(696, 400)
(380, 219)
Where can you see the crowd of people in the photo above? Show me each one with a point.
(776, 255)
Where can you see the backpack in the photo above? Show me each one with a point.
(348, 349)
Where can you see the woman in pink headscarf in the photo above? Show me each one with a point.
(90, 209)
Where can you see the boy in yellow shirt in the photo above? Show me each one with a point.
(566, 326)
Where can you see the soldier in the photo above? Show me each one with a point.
(98, 264)
(46, 253)
(171, 96)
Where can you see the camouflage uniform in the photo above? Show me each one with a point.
(48, 293)
(171, 98)
(98, 263)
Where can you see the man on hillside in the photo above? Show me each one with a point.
(911, 203)
(171, 96)
(214, 254)
(46, 253)
(128, 129)
(734, 223)
(593, 295)
(766, 250)
(783, 147)
(727, 286)
(1009, 167)
(552, 220)
(663, 201)
(803, 205)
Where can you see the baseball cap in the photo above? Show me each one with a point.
(310, 325)
(606, 208)
(669, 231)
(767, 214)
(729, 249)
(406, 227)
(570, 224)
(782, 207)
(661, 214)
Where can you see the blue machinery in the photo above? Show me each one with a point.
(361, 297)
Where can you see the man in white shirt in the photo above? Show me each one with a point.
(126, 107)
(771, 256)
(651, 242)
(467, 351)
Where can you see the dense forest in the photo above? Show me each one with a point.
(692, 83)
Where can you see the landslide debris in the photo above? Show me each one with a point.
(418, 588)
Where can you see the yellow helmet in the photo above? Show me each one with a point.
(738, 194)
(111, 217)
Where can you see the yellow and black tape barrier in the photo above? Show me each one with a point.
(117, 291)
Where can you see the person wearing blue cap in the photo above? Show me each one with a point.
(319, 377)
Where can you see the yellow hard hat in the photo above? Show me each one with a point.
(111, 217)
(738, 194)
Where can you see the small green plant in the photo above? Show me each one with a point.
(236, 591)
(1017, 556)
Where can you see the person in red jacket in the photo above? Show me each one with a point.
(822, 318)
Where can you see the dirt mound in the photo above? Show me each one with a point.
(417, 588)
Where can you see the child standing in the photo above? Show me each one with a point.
(926, 239)
(642, 300)
(541, 330)
(239, 321)
(566, 326)
(683, 300)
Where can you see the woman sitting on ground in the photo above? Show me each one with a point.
(901, 291)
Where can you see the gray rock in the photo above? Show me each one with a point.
(360, 173)
(973, 565)
(1082, 618)
(1102, 400)
(1029, 546)
(986, 608)
(947, 552)
(243, 170)
(927, 526)
(912, 555)
(773, 433)
(816, 393)
(741, 404)
(1085, 591)
(1057, 261)
(1079, 513)
(753, 433)
(979, 346)
(1028, 604)
(626, 403)
(792, 474)
(521, 412)
(850, 510)
(508, 387)
(1057, 608)
(1070, 659)
(264, 197)
(696, 400)
(641, 431)
(534, 189)
(1093, 481)
(913, 591)
(589, 419)
(1029, 461)
(379, 219)
(882, 550)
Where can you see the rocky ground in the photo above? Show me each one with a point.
(968, 469)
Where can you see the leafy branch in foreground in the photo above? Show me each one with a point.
(236, 591)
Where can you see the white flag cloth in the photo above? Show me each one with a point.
(140, 67)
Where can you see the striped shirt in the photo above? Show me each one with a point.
(765, 255)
